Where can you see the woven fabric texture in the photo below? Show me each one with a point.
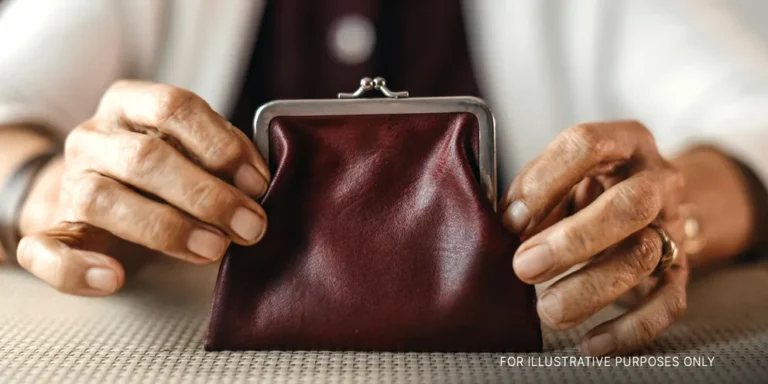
(152, 332)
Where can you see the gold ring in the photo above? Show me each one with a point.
(669, 249)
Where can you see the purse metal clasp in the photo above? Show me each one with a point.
(394, 103)
(379, 84)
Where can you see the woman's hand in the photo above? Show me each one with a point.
(154, 171)
(589, 197)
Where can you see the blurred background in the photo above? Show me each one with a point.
(157, 325)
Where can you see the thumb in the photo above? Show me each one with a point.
(73, 258)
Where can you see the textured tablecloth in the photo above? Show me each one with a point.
(152, 332)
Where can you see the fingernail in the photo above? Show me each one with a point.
(250, 181)
(533, 262)
(207, 244)
(550, 307)
(517, 216)
(599, 345)
(101, 279)
(247, 224)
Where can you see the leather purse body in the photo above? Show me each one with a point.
(382, 235)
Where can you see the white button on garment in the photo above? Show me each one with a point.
(352, 39)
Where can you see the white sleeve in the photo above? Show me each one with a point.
(691, 73)
(56, 60)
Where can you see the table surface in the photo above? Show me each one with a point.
(152, 331)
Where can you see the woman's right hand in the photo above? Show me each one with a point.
(155, 170)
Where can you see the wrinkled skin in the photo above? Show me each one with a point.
(157, 172)
(589, 198)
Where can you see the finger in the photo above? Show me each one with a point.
(109, 205)
(48, 256)
(151, 165)
(574, 298)
(639, 327)
(586, 192)
(618, 212)
(635, 296)
(187, 119)
(673, 183)
(558, 213)
(571, 157)
(580, 196)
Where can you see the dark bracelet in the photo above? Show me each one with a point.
(12, 198)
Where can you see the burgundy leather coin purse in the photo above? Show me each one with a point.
(382, 233)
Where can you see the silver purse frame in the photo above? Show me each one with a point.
(394, 103)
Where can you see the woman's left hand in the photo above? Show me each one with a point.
(589, 197)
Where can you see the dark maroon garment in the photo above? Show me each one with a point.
(421, 47)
